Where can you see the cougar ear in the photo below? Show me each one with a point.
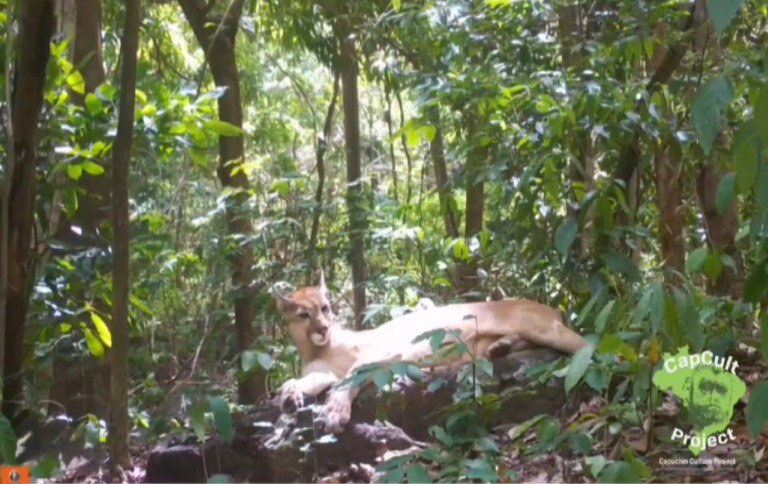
(283, 302)
(321, 283)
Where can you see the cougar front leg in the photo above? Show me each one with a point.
(317, 378)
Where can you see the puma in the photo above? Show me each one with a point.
(330, 353)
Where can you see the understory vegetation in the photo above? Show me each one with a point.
(607, 158)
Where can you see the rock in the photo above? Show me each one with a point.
(271, 447)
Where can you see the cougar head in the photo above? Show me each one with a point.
(308, 313)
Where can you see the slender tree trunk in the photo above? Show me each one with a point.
(669, 199)
(668, 169)
(120, 424)
(81, 385)
(355, 205)
(322, 147)
(475, 205)
(437, 154)
(8, 170)
(36, 25)
(219, 47)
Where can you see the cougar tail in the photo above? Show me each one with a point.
(557, 336)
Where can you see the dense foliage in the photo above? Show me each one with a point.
(606, 157)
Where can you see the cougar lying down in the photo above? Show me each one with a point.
(330, 353)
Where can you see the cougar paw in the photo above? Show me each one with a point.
(291, 397)
(337, 412)
(499, 349)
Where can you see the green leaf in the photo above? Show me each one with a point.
(656, 306)
(696, 260)
(764, 342)
(757, 410)
(565, 235)
(579, 364)
(707, 108)
(76, 82)
(102, 329)
(92, 168)
(197, 420)
(416, 473)
(760, 109)
(619, 472)
(93, 104)
(612, 344)
(46, 469)
(381, 378)
(107, 91)
(218, 479)
(745, 160)
(756, 283)
(515, 432)
(94, 345)
(725, 191)
(7, 441)
(428, 132)
(221, 128)
(396, 5)
(721, 12)
(198, 157)
(222, 418)
(602, 317)
(74, 171)
(140, 304)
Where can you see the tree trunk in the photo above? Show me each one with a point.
(355, 206)
(82, 385)
(721, 230)
(437, 154)
(36, 25)
(322, 147)
(475, 205)
(669, 199)
(119, 422)
(219, 47)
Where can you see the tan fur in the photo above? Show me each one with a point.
(327, 359)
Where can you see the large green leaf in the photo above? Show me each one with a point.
(94, 345)
(417, 474)
(760, 108)
(725, 191)
(619, 472)
(696, 260)
(565, 235)
(745, 160)
(7, 441)
(707, 108)
(197, 420)
(756, 283)
(222, 418)
(222, 128)
(721, 12)
(757, 409)
(579, 364)
(102, 329)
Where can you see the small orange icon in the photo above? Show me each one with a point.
(14, 475)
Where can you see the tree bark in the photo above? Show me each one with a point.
(119, 422)
(322, 147)
(669, 199)
(355, 204)
(81, 385)
(437, 154)
(36, 26)
(219, 47)
(475, 205)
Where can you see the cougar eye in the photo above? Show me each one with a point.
(326, 308)
(304, 315)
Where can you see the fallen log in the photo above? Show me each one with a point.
(270, 446)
